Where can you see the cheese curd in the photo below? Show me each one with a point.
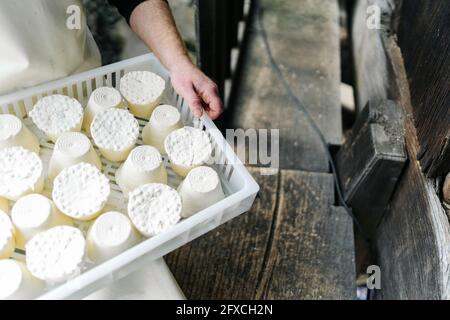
(7, 236)
(56, 255)
(14, 133)
(153, 208)
(81, 191)
(21, 173)
(57, 114)
(187, 148)
(115, 132)
(143, 91)
(17, 283)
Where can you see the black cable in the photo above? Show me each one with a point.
(297, 101)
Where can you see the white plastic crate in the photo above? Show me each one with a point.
(239, 186)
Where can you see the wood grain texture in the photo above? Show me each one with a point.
(293, 244)
(413, 240)
(423, 36)
(310, 60)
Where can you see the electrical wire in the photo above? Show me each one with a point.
(314, 126)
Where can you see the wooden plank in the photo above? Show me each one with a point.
(226, 263)
(293, 244)
(423, 38)
(413, 239)
(371, 161)
(310, 59)
(412, 242)
(312, 253)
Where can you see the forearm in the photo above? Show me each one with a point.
(153, 22)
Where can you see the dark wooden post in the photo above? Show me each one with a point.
(217, 32)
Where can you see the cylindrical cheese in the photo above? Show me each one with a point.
(143, 91)
(21, 173)
(200, 189)
(72, 148)
(35, 213)
(14, 133)
(7, 236)
(57, 114)
(4, 205)
(187, 148)
(57, 254)
(81, 191)
(17, 283)
(110, 234)
(143, 165)
(115, 132)
(101, 99)
(153, 208)
(163, 121)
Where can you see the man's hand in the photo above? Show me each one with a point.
(154, 24)
(197, 89)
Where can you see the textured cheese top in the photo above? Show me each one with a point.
(115, 129)
(31, 211)
(203, 179)
(20, 170)
(142, 87)
(10, 278)
(153, 208)
(6, 231)
(188, 146)
(112, 229)
(57, 114)
(145, 158)
(165, 116)
(57, 254)
(73, 144)
(80, 191)
(106, 97)
(10, 126)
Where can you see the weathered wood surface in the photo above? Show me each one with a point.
(293, 244)
(412, 242)
(423, 35)
(370, 65)
(413, 239)
(371, 161)
(304, 36)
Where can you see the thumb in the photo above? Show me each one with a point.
(194, 102)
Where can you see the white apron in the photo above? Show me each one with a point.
(36, 46)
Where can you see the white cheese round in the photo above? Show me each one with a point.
(153, 208)
(7, 236)
(4, 205)
(14, 133)
(72, 148)
(143, 91)
(187, 148)
(163, 121)
(110, 234)
(101, 99)
(200, 189)
(21, 173)
(57, 254)
(35, 213)
(56, 114)
(17, 283)
(143, 165)
(81, 191)
(115, 132)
